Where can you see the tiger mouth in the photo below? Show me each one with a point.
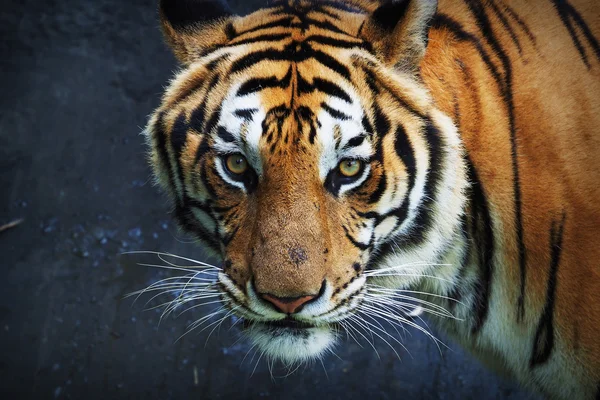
(286, 323)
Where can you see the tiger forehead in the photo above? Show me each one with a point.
(298, 17)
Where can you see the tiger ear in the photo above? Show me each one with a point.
(398, 30)
(192, 27)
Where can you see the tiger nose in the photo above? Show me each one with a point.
(288, 305)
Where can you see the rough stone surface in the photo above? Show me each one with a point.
(78, 80)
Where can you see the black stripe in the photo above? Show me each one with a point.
(225, 134)
(197, 118)
(371, 80)
(257, 84)
(422, 221)
(598, 392)
(388, 15)
(568, 14)
(161, 148)
(213, 65)
(189, 223)
(586, 30)
(335, 113)
(478, 11)
(206, 207)
(405, 151)
(230, 236)
(361, 246)
(355, 142)
(382, 122)
(520, 22)
(269, 37)
(382, 184)
(375, 84)
(280, 23)
(324, 86)
(543, 342)
(258, 56)
(212, 121)
(204, 178)
(366, 124)
(203, 148)
(329, 41)
(506, 25)
(564, 16)
(483, 235)
(458, 290)
(333, 64)
(294, 52)
(313, 133)
(191, 89)
(245, 113)
(178, 140)
(179, 134)
(326, 25)
(341, 6)
(442, 21)
(328, 13)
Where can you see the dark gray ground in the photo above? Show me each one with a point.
(78, 81)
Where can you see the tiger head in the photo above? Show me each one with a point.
(299, 144)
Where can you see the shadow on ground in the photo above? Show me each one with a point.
(78, 81)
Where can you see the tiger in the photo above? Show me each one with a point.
(331, 153)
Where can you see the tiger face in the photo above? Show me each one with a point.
(299, 144)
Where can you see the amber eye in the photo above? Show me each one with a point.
(236, 164)
(350, 168)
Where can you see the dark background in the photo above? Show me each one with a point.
(78, 80)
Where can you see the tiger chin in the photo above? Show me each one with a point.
(352, 161)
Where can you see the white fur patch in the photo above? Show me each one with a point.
(289, 345)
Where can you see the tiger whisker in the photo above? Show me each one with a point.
(150, 287)
(298, 365)
(401, 320)
(174, 288)
(270, 366)
(256, 365)
(382, 329)
(376, 334)
(178, 302)
(219, 324)
(199, 322)
(407, 308)
(384, 289)
(401, 266)
(355, 320)
(437, 309)
(167, 267)
(348, 328)
(167, 290)
(248, 352)
(156, 253)
(324, 369)
(395, 325)
(411, 275)
(399, 294)
(174, 307)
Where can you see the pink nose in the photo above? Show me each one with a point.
(288, 305)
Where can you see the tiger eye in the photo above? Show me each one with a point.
(350, 168)
(237, 164)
